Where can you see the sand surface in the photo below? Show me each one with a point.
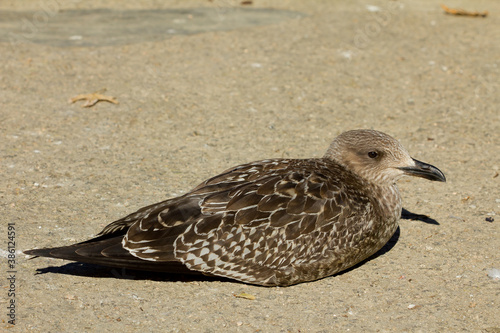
(210, 85)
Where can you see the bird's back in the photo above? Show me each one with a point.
(272, 222)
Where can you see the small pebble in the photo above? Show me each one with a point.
(373, 9)
(347, 54)
(494, 273)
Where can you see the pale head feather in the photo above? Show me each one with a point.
(355, 150)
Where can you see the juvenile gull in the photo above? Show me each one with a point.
(273, 222)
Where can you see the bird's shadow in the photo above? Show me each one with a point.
(407, 215)
(97, 271)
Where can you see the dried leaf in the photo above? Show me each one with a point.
(245, 295)
(462, 12)
(93, 99)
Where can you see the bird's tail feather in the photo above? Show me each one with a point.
(110, 253)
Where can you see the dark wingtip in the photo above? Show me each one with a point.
(38, 253)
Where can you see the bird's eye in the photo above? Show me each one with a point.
(372, 154)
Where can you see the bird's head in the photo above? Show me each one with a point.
(378, 157)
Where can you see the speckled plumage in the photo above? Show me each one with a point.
(270, 222)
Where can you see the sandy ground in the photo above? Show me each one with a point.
(192, 105)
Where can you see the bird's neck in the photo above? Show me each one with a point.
(390, 204)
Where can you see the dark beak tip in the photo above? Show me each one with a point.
(426, 171)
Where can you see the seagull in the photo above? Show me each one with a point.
(274, 222)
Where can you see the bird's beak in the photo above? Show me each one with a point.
(424, 170)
